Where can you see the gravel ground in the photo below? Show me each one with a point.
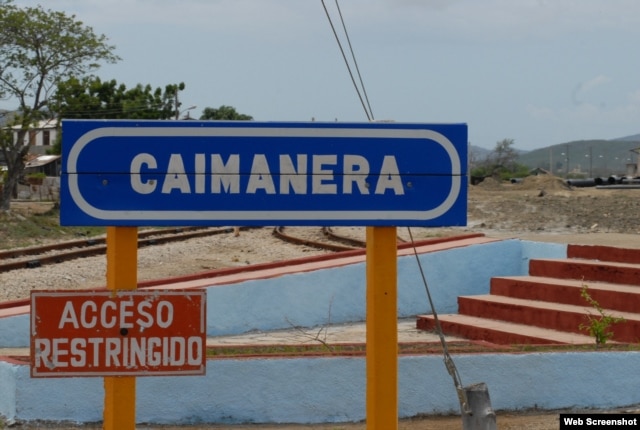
(539, 208)
(156, 262)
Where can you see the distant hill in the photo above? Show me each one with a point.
(480, 153)
(591, 158)
(632, 138)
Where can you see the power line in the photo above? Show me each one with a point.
(100, 111)
(355, 62)
(449, 364)
(367, 112)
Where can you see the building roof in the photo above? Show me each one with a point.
(42, 160)
(7, 117)
(40, 125)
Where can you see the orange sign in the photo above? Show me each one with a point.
(124, 333)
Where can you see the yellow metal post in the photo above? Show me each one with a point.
(122, 267)
(382, 329)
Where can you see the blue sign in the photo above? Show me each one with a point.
(161, 173)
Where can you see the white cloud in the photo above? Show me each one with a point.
(584, 88)
(586, 121)
(593, 83)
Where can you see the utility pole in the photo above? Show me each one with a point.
(177, 104)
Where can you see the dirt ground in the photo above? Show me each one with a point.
(526, 420)
(545, 207)
(546, 421)
(539, 208)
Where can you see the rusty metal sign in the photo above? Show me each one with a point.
(124, 333)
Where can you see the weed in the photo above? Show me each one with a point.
(598, 326)
(26, 227)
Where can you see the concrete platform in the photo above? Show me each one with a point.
(331, 334)
(325, 296)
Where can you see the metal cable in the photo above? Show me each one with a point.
(448, 361)
(355, 62)
(344, 57)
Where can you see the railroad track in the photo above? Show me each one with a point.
(157, 237)
(33, 257)
(37, 256)
(322, 239)
(327, 239)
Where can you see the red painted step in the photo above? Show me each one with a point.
(547, 306)
(625, 298)
(500, 332)
(604, 253)
(554, 316)
(586, 270)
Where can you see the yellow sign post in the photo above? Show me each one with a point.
(122, 274)
(382, 329)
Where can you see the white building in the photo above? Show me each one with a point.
(41, 136)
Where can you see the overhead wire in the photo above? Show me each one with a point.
(355, 62)
(448, 360)
(108, 111)
(346, 61)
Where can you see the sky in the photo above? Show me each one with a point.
(540, 72)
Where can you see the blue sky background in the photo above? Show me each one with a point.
(541, 72)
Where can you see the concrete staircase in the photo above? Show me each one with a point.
(546, 307)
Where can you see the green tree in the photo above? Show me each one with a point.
(92, 98)
(504, 156)
(38, 49)
(501, 162)
(227, 113)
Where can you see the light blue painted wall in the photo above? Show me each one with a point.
(337, 295)
(299, 299)
(8, 389)
(57, 399)
(532, 250)
(332, 389)
(14, 331)
(312, 390)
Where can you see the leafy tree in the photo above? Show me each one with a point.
(504, 156)
(92, 98)
(224, 113)
(501, 162)
(38, 49)
(139, 102)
